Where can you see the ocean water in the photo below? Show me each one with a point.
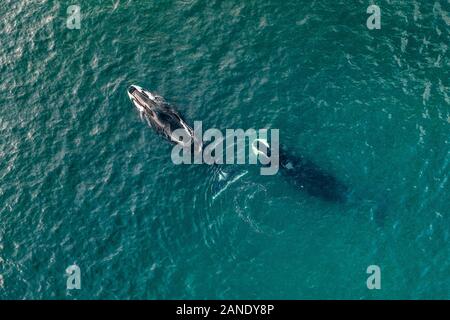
(83, 181)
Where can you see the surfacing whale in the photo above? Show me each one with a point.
(161, 116)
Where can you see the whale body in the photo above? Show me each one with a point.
(304, 173)
(162, 117)
(309, 177)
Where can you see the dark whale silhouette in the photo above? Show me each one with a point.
(306, 175)
(309, 177)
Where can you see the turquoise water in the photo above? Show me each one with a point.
(83, 181)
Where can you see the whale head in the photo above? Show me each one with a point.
(142, 99)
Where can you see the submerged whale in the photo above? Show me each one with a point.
(305, 174)
(162, 117)
(308, 176)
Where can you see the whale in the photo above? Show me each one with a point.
(305, 174)
(314, 180)
(162, 117)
